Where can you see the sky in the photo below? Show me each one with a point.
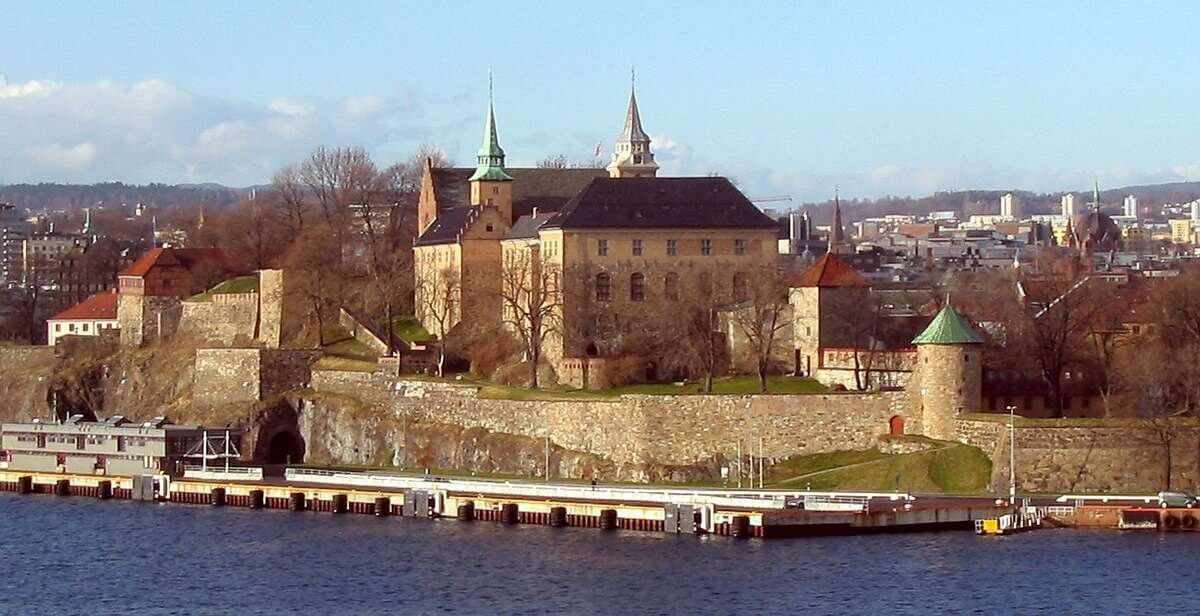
(788, 98)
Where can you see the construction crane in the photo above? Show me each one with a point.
(772, 199)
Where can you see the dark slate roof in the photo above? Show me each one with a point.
(526, 226)
(448, 225)
(544, 189)
(661, 203)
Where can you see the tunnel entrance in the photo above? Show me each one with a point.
(286, 447)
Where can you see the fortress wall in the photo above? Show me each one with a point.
(647, 430)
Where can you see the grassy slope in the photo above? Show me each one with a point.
(410, 330)
(242, 284)
(948, 468)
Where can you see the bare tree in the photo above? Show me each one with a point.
(288, 195)
(763, 317)
(531, 301)
(312, 258)
(438, 301)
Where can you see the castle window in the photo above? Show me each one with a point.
(706, 247)
(672, 247)
(602, 248)
(603, 287)
(671, 286)
(495, 190)
(489, 227)
(637, 287)
(637, 248)
(739, 247)
(741, 289)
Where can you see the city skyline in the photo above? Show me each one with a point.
(800, 99)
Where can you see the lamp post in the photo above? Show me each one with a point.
(1012, 455)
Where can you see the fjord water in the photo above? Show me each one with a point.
(81, 556)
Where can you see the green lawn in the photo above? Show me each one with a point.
(950, 468)
(241, 284)
(410, 330)
(725, 385)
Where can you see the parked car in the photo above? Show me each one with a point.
(1177, 499)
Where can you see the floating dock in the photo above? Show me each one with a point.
(735, 513)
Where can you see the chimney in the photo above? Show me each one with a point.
(535, 212)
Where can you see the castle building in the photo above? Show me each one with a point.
(614, 239)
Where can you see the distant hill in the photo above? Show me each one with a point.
(36, 197)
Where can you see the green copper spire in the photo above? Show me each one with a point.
(490, 157)
(948, 327)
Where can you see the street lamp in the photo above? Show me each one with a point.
(1012, 455)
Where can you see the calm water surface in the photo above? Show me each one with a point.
(80, 556)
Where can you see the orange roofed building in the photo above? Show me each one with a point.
(91, 317)
(150, 291)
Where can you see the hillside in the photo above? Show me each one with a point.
(77, 196)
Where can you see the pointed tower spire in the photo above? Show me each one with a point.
(837, 235)
(632, 156)
(490, 157)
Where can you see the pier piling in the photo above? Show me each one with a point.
(740, 527)
(296, 501)
(256, 499)
(104, 490)
(24, 484)
(509, 513)
(466, 511)
(558, 516)
(383, 506)
(340, 503)
(216, 497)
(62, 487)
(608, 519)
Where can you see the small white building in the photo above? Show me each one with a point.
(91, 317)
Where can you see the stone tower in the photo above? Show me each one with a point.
(632, 157)
(947, 378)
(821, 296)
(491, 185)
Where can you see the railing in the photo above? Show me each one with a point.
(241, 473)
(1081, 499)
(822, 502)
(753, 499)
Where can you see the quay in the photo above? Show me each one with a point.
(761, 514)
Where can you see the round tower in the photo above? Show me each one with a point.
(948, 373)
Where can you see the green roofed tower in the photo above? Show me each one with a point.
(948, 375)
(948, 327)
(491, 185)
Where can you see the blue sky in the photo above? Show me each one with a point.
(789, 98)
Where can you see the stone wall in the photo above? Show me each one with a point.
(601, 372)
(226, 376)
(145, 318)
(1113, 456)
(361, 332)
(637, 432)
(222, 320)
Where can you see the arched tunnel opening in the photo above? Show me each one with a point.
(285, 447)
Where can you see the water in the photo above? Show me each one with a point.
(80, 556)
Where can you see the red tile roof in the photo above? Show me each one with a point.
(187, 257)
(829, 271)
(97, 307)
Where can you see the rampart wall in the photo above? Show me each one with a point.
(637, 430)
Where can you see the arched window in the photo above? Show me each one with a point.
(671, 286)
(603, 287)
(637, 287)
(741, 290)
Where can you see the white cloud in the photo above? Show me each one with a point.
(28, 88)
(362, 105)
(289, 107)
(80, 156)
(156, 131)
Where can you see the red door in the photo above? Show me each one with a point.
(896, 425)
